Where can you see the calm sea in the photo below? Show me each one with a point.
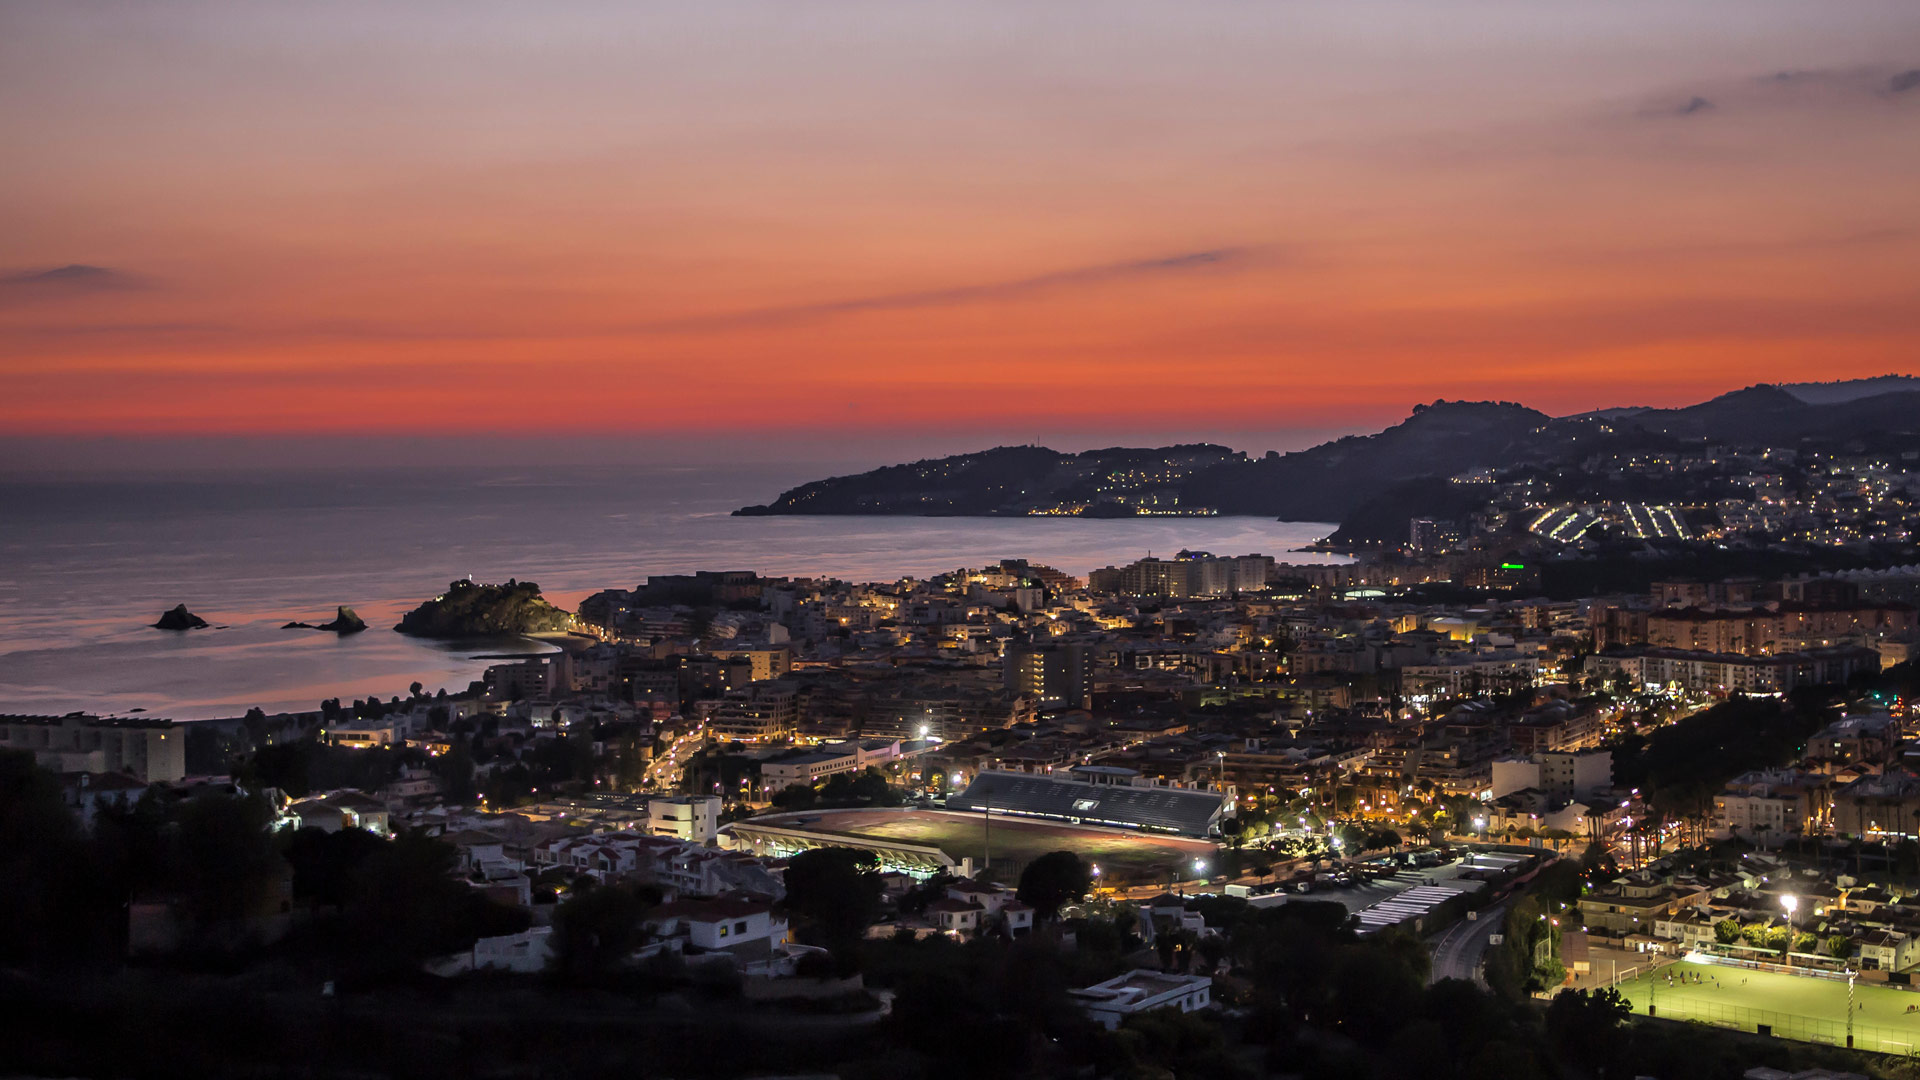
(87, 565)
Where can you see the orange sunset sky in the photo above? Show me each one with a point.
(814, 218)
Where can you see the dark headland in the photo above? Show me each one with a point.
(472, 610)
(1425, 466)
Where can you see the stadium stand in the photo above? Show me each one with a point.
(1155, 809)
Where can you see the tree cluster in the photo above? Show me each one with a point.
(212, 869)
(868, 788)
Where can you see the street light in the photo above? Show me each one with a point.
(1789, 902)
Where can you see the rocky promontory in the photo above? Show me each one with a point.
(470, 610)
(180, 619)
(344, 622)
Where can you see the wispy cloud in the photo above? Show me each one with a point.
(1834, 87)
(123, 329)
(67, 280)
(1083, 277)
(1836, 84)
(1744, 247)
(985, 293)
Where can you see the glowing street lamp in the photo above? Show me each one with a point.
(1790, 903)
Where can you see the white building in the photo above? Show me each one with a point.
(476, 848)
(525, 953)
(1888, 950)
(1689, 928)
(150, 750)
(1465, 674)
(88, 793)
(812, 766)
(683, 867)
(1775, 803)
(748, 928)
(996, 903)
(694, 818)
(1558, 774)
(957, 917)
(342, 810)
(364, 736)
(1108, 1003)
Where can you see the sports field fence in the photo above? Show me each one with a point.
(1879, 1038)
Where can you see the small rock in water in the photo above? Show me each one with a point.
(344, 621)
(180, 619)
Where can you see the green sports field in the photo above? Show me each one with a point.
(1018, 841)
(1794, 1006)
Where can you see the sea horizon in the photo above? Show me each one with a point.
(91, 562)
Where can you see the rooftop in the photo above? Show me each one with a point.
(88, 720)
(726, 907)
(1141, 985)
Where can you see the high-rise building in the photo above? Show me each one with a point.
(1188, 574)
(1429, 536)
(1051, 676)
(760, 712)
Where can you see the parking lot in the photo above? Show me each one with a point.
(1374, 883)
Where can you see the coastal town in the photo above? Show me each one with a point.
(776, 788)
(984, 541)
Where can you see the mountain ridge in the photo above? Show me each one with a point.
(1436, 444)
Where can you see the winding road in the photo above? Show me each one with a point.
(1458, 952)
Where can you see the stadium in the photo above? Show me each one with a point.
(1097, 796)
(1004, 821)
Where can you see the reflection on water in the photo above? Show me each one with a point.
(86, 566)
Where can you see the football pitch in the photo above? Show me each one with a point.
(1018, 841)
(1789, 1006)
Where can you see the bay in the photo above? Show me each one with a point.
(86, 565)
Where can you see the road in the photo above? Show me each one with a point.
(1355, 897)
(1458, 952)
(664, 771)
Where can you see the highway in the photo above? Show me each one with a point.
(1458, 952)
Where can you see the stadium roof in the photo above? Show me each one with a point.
(1172, 810)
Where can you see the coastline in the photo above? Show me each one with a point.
(563, 640)
(97, 558)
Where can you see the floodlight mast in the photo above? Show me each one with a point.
(986, 806)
